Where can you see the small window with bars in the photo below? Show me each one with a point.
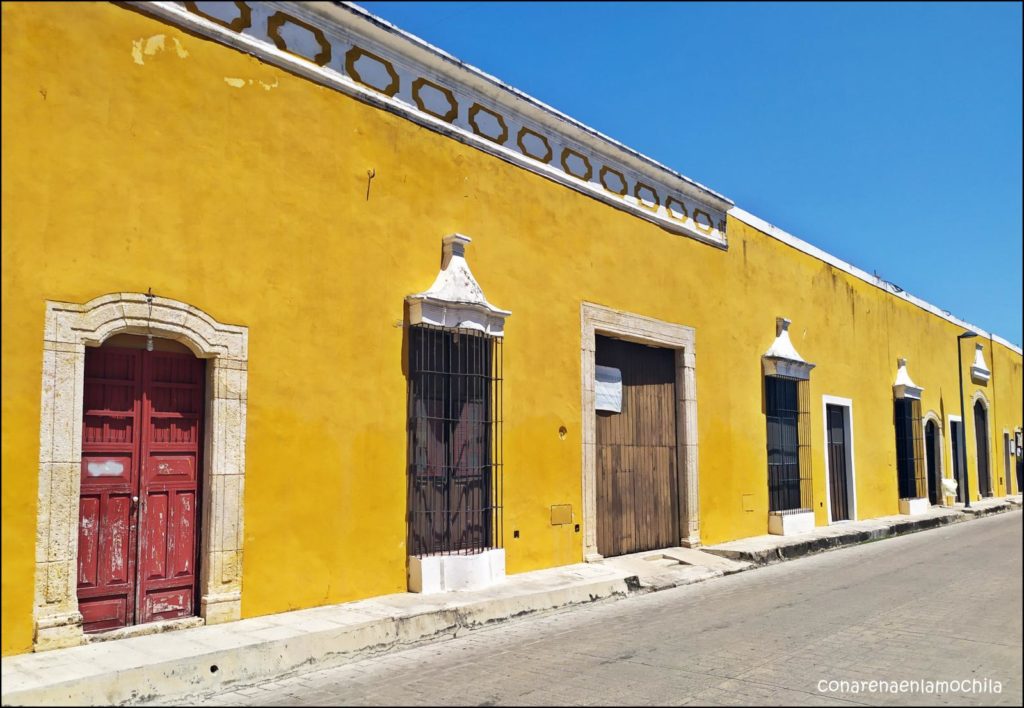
(454, 441)
(910, 468)
(787, 411)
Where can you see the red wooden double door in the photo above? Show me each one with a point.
(139, 502)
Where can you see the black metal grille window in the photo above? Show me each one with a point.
(455, 442)
(910, 469)
(787, 410)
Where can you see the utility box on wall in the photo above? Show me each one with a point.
(561, 514)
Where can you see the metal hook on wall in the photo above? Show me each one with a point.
(370, 174)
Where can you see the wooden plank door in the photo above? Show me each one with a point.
(931, 442)
(169, 485)
(981, 446)
(637, 486)
(108, 499)
(839, 491)
(138, 507)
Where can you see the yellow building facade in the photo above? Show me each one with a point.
(280, 177)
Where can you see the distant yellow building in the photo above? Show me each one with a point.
(236, 382)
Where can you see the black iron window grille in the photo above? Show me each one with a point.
(910, 468)
(455, 445)
(787, 410)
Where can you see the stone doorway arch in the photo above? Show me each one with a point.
(70, 328)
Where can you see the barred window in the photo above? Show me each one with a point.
(787, 411)
(910, 468)
(454, 441)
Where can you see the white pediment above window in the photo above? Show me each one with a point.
(782, 358)
(980, 373)
(904, 386)
(455, 300)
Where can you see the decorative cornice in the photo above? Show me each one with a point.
(344, 47)
(455, 300)
(782, 358)
(904, 387)
(980, 373)
(811, 250)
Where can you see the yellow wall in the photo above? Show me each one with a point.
(250, 203)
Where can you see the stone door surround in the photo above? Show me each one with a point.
(70, 328)
(597, 319)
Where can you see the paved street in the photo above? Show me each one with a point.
(941, 605)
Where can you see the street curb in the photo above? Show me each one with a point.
(811, 546)
(196, 663)
(199, 669)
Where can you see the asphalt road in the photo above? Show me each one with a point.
(940, 605)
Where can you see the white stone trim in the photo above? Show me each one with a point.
(409, 60)
(598, 319)
(915, 506)
(940, 467)
(782, 358)
(790, 522)
(68, 329)
(789, 239)
(851, 474)
(447, 573)
(903, 386)
(455, 300)
(980, 373)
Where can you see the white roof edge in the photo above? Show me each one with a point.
(383, 25)
(811, 250)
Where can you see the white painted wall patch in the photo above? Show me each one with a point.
(108, 468)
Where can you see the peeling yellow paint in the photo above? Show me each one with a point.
(154, 44)
(149, 46)
(240, 83)
(137, 51)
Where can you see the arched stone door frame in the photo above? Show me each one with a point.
(70, 328)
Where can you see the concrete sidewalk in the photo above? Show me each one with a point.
(191, 663)
(761, 550)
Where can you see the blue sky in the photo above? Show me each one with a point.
(888, 134)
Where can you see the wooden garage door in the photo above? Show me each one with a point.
(637, 487)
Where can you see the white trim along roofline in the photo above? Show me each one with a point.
(736, 212)
(811, 250)
(347, 18)
(330, 40)
(475, 74)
